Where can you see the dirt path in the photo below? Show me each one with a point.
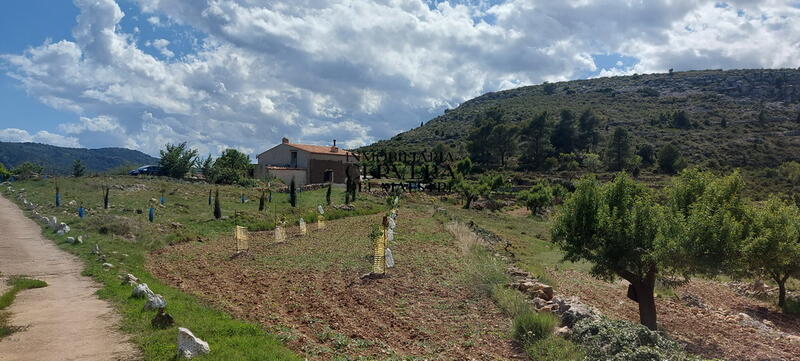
(66, 320)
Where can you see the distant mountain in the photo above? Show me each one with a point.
(739, 118)
(58, 160)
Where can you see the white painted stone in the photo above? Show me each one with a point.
(142, 291)
(155, 302)
(190, 345)
(389, 258)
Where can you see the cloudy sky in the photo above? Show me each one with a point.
(244, 73)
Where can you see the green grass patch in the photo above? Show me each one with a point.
(554, 348)
(533, 326)
(17, 284)
(511, 301)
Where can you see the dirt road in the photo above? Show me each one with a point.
(66, 320)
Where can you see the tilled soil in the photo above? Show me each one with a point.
(422, 309)
(713, 331)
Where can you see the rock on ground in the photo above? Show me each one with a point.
(190, 345)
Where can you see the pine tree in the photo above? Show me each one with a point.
(619, 150)
(217, 208)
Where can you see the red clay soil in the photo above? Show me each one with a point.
(418, 311)
(714, 331)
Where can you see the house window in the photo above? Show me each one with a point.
(293, 164)
(327, 176)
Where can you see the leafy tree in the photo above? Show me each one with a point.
(670, 160)
(78, 169)
(615, 226)
(503, 141)
(619, 150)
(4, 173)
(648, 154)
(206, 167)
(592, 162)
(588, 130)
(464, 166)
(773, 248)
(27, 170)
(681, 120)
(177, 159)
(217, 207)
(708, 221)
(791, 170)
(536, 198)
(469, 190)
(292, 193)
(564, 135)
(231, 167)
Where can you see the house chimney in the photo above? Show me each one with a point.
(285, 140)
(334, 142)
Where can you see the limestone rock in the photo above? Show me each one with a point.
(96, 249)
(155, 302)
(71, 240)
(108, 265)
(190, 345)
(79, 240)
(130, 279)
(142, 291)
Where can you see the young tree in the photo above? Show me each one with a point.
(536, 134)
(614, 226)
(469, 190)
(464, 166)
(78, 169)
(670, 160)
(292, 193)
(177, 159)
(106, 190)
(773, 248)
(217, 207)
(592, 162)
(619, 150)
(564, 136)
(648, 154)
(536, 198)
(262, 201)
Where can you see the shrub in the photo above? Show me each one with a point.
(177, 159)
(78, 169)
(112, 225)
(615, 340)
(791, 306)
(27, 170)
(554, 348)
(532, 326)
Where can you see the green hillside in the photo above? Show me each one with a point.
(737, 118)
(58, 160)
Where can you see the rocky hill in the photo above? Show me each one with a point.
(58, 160)
(739, 118)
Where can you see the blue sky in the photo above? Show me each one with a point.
(244, 73)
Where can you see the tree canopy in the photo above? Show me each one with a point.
(177, 159)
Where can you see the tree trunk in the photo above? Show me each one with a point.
(781, 291)
(647, 304)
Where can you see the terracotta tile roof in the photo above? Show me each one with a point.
(319, 149)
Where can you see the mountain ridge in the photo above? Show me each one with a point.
(58, 160)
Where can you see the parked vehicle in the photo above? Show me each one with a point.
(147, 170)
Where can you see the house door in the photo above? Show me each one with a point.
(293, 163)
(327, 176)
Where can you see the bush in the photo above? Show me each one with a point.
(533, 326)
(615, 340)
(554, 348)
(792, 306)
(27, 170)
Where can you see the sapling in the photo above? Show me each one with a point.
(293, 193)
(262, 201)
(328, 194)
(58, 194)
(105, 197)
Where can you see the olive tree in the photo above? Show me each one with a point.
(615, 226)
(536, 198)
(177, 159)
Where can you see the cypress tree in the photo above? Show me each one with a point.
(261, 201)
(217, 209)
(209, 197)
(105, 197)
(293, 193)
(328, 194)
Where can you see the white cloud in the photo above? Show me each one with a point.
(42, 136)
(359, 70)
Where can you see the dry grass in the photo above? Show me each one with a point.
(465, 238)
